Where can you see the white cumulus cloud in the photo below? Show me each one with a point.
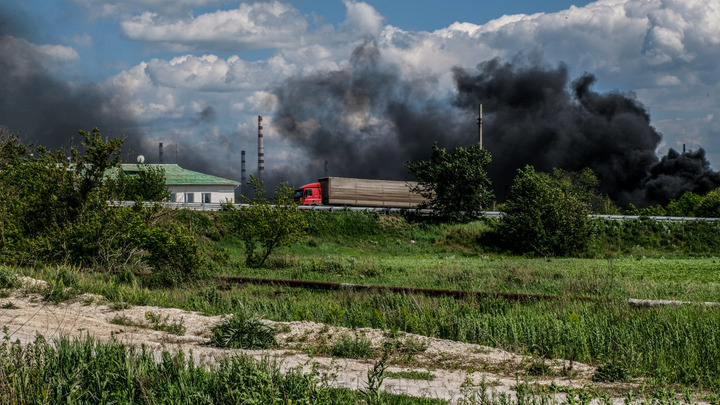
(666, 51)
(250, 26)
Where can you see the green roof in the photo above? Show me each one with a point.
(175, 174)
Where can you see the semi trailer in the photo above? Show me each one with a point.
(346, 191)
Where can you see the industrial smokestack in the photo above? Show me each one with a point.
(261, 149)
(480, 126)
(243, 180)
(160, 153)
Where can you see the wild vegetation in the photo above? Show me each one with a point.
(263, 224)
(455, 184)
(687, 205)
(544, 218)
(55, 225)
(91, 372)
(55, 211)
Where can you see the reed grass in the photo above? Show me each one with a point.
(90, 372)
(672, 345)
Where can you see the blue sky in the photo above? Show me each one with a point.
(72, 24)
(196, 73)
(429, 15)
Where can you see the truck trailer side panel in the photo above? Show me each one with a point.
(369, 193)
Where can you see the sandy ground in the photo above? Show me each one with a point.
(449, 363)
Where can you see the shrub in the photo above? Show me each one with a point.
(175, 256)
(539, 368)
(611, 372)
(163, 323)
(685, 206)
(710, 205)
(243, 332)
(8, 278)
(543, 219)
(265, 224)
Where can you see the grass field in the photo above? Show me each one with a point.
(675, 345)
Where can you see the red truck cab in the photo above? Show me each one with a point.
(309, 194)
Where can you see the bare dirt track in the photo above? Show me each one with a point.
(447, 364)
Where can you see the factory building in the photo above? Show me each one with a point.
(187, 186)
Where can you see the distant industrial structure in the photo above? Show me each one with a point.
(184, 184)
(187, 186)
(261, 149)
(243, 178)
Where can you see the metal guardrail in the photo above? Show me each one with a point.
(656, 218)
(179, 205)
(384, 210)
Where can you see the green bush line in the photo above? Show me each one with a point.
(380, 232)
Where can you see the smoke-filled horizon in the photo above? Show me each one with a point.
(45, 111)
(368, 121)
(370, 118)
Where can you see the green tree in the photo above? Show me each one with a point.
(654, 211)
(54, 210)
(709, 207)
(48, 194)
(456, 184)
(148, 184)
(264, 225)
(631, 210)
(543, 217)
(685, 206)
(583, 185)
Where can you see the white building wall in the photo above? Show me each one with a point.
(218, 193)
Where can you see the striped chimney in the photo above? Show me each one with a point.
(261, 149)
(243, 180)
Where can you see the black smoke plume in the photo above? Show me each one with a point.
(367, 121)
(678, 172)
(45, 110)
(535, 120)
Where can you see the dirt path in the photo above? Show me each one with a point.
(449, 363)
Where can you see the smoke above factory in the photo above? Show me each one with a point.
(367, 120)
(370, 117)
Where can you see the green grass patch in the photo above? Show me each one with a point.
(349, 347)
(411, 375)
(9, 305)
(165, 324)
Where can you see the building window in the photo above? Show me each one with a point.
(173, 197)
(189, 197)
(206, 198)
